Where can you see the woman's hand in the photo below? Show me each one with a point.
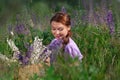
(47, 61)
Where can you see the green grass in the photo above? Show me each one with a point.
(100, 53)
(101, 50)
(8, 71)
(101, 59)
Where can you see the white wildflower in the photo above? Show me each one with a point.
(12, 33)
(38, 55)
(38, 48)
(15, 55)
(4, 57)
(14, 49)
(12, 45)
(38, 51)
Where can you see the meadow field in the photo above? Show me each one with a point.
(95, 28)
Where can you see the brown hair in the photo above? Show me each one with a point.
(65, 20)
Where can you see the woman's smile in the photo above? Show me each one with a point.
(59, 30)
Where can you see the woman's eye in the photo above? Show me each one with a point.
(60, 29)
(53, 29)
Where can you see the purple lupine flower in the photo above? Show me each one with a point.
(109, 16)
(20, 57)
(63, 10)
(20, 29)
(55, 44)
(16, 55)
(24, 60)
(43, 53)
(45, 50)
(30, 50)
(110, 22)
(96, 14)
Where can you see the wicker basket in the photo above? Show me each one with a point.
(28, 71)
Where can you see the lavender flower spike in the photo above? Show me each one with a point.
(63, 9)
(110, 22)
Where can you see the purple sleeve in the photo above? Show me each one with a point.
(73, 50)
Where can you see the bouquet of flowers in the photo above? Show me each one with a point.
(37, 52)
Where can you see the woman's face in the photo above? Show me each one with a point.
(59, 30)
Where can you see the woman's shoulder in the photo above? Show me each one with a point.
(72, 46)
(73, 49)
(71, 43)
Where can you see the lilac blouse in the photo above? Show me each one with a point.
(71, 48)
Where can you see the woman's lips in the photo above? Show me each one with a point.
(58, 36)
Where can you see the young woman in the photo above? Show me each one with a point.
(61, 30)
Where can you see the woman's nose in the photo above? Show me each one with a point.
(57, 32)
